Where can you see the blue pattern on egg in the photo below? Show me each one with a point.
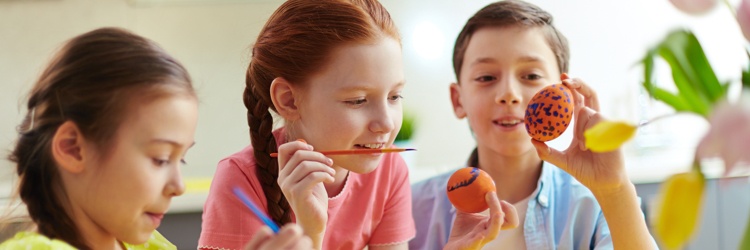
(549, 112)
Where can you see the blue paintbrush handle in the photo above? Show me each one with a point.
(249, 203)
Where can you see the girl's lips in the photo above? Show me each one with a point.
(156, 218)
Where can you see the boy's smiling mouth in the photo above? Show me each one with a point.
(508, 122)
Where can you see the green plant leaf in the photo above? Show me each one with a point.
(697, 69)
(698, 88)
(677, 103)
(687, 88)
(407, 127)
(746, 78)
(673, 100)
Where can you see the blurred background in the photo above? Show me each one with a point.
(211, 38)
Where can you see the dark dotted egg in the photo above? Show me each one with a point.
(549, 112)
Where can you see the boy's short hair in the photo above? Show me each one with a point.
(512, 13)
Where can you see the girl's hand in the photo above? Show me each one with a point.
(301, 176)
(472, 231)
(600, 172)
(289, 237)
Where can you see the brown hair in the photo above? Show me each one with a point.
(90, 82)
(512, 13)
(295, 43)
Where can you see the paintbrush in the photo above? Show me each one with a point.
(249, 203)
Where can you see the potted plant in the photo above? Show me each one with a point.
(404, 138)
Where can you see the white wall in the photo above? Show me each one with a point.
(212, 40)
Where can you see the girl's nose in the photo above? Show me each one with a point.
(175, 185)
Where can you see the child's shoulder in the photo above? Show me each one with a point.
(31, 240)
(432, 185)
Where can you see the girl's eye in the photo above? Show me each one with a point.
(356, 102)
(183, 162)
(396, 97)
(485, 78)
(160, 162)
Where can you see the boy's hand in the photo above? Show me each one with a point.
(472, 231)
(301, 176)
(600, 172)
(289, 237)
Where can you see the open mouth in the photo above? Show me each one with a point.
(370, 145)
(508, 122)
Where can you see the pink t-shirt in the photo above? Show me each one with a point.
(372, 209)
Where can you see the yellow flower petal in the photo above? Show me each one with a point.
(607, 136)
(679, 208)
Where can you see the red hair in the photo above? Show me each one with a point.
(296, 42)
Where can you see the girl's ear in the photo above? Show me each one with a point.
(283, 98)
(458, 108)
(68, 148)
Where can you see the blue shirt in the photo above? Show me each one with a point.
(561, 214)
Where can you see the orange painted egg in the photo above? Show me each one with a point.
(549, 112)
(467, 188)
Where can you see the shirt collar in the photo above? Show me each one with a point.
(544, 186)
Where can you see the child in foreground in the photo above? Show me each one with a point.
(99, 152)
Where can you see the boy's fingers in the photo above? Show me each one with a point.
(511, 215)
(496, 215)
(549, 154)
(589, 97)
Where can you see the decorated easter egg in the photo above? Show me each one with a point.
(549, 112)
(467, 188)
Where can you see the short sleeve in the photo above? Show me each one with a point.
(227, 223)
(397, 224)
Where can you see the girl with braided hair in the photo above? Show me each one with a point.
(332, 70)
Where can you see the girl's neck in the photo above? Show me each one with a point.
(515, 177)
(94, 236)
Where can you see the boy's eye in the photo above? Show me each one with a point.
(532, 77)
(356, 102)
(396, 97)
(485, 78)
(183, 161)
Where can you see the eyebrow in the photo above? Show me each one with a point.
(527, 58)
(173, 143)
(366, 87)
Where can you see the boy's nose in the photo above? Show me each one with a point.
(507, 95)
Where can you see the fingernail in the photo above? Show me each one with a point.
(302, 140)
(330, 161)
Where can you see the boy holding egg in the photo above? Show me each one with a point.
(572, 199)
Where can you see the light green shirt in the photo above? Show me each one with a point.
(32, 240)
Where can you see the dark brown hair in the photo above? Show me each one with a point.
(91, 81)
(512, 13)
(295, 43)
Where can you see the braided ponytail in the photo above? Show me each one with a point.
(295, 43)
(261, 124)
